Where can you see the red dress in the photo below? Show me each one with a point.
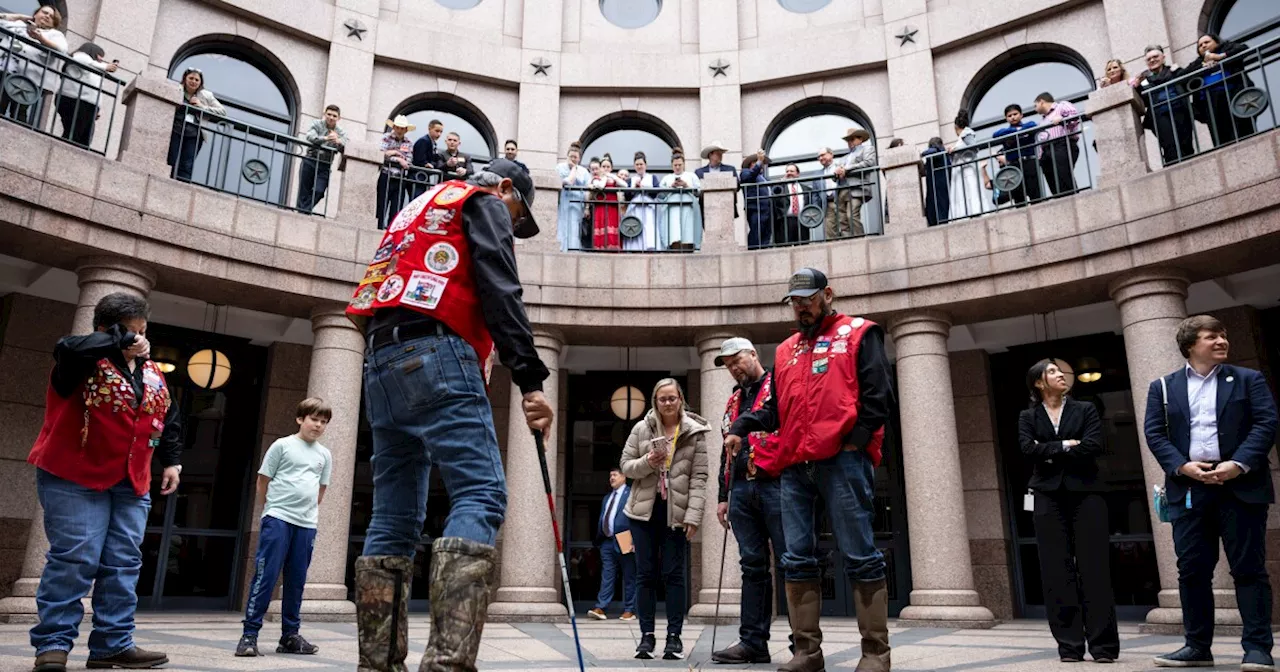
(605, 214)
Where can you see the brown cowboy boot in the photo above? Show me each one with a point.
(382, 611)
(462, 573)
(804, 606)
(872, 600)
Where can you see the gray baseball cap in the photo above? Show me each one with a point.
(731, 347)
(805, 283)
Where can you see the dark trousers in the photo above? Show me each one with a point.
(183, 146)
(391, 197)
(1057, 162)
(1224, 126)
(755, 514)
(77, 117)
(759, 229)
(1075, 563)
(27, 115)
(280, 545)
(313, 181)
(1030, 187)
(1242, 528)
(660, 548)
(1175, 132)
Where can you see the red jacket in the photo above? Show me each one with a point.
(763, 447)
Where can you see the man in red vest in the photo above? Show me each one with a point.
(440, 300)
(107, 410)
(755, 510)
(831, 398)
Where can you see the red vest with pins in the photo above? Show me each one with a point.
(816, 381)
(423, 264)
(763, 448)
(97, 436)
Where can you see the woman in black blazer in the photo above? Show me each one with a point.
(1063, 437)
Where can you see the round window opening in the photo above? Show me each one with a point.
(631, 13)
(459, 4)
(803, 6)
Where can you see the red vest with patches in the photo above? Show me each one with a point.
(763, 448)
(816, 381)
(424, 264)
(97, 436)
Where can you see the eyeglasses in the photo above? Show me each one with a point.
(801, 301)
(668, 400)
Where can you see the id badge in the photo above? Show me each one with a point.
(1029, 502)
(820, 365)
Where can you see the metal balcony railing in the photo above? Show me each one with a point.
(641, 219)
(813, 208)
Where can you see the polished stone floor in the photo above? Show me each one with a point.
(206, 642)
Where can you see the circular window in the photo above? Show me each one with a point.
(459, 4)
(803, 6)
(630, 13)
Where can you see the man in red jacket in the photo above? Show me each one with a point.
(831, 399)
(107, 410)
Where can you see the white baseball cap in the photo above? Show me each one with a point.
(731, 347)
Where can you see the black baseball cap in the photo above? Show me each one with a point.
(805, 283)
(526, 227)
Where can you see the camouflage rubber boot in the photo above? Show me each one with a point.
(462, 573)
(382, 611)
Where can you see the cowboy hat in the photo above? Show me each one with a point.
(856, 133)
(401, 121)
(713, 147)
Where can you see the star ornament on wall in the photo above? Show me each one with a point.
(719, 68)
(355, 29)
(540, 66)
(908, 34)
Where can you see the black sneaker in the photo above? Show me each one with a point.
(675, 648)
(1257, 661)
(1185, 657)
(296, 644)
(648, 643)
(248, 647)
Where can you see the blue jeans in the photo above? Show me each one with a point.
(755, 514)
(846, 484)
(660, 548)
(426, 403)
(280, 545)
(612, 563)
(94, 538)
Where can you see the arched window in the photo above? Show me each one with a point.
(478, 139)
(622, 136)
(800, 132)
(1252, 21)
(631, 13)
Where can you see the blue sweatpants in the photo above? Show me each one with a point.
(286, 545)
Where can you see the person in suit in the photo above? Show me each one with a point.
(759, 204)
(612, 559)
(455, 164)
(792, 198)
(1212, 438)
(1063, 438)
(425, 151)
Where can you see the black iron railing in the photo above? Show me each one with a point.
(248, 161)
(642, 219)
(1231, 99)
(47, 91)
(397, 187)
(1013, 170)
(813, 208)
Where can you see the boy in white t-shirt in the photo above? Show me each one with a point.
(294, 474)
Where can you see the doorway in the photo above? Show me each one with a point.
(192, 547)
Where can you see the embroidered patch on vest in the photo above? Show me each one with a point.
(364, 298)
(391, 288)
(441, 258)
(451, 195)
(424, 290)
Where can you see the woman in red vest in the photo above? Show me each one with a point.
(107, 410)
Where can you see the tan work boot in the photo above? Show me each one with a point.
(872, 601)
(804, 606)
(382, 611)
(51, 661)
(462, 573)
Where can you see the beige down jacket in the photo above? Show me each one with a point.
(688, 477)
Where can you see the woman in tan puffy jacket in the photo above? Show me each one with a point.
(668, 491)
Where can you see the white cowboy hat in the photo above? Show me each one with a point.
(713, 147)
(401, 121)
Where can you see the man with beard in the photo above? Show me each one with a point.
(831, 399)
(755, 511)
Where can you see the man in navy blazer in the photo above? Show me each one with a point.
(612, 521)
(1214, 447)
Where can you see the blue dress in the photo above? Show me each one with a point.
(572, 205)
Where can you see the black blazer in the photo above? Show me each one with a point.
(1057, 469)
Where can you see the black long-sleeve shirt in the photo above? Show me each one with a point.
(74, 360)
(739, 465)
(875, 394)
(487, 226)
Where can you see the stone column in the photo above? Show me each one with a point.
(148, 120)
(337, 363)
(1152, 302)
(719, 190)
(538, 124)
(717, 547)
(902, 190)
(943, 593)
(910, 64)
(358, 201)
(529, 589)
(1122, 149)
(97, 276)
